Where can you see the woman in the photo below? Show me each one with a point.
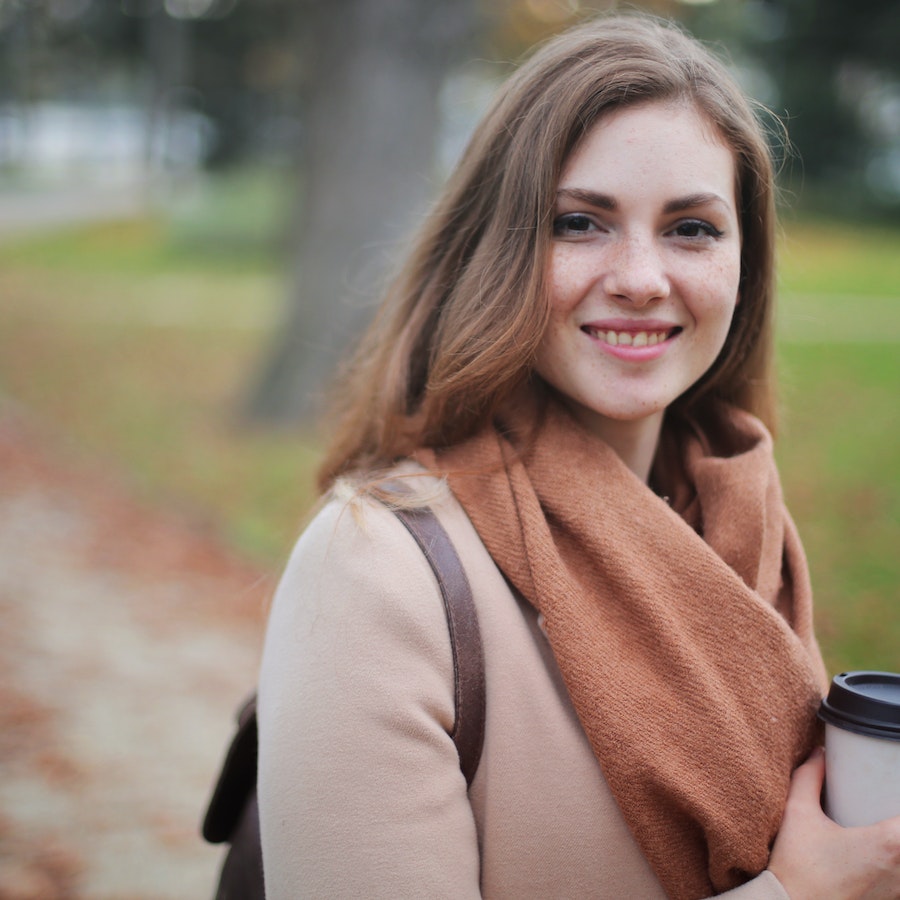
(573, 370)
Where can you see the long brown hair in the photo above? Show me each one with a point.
(459, 327)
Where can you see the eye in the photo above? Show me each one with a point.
(573, 225)
(696, 228)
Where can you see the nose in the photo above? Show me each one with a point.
(635, 271)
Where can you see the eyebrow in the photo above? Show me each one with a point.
(601, 201)
(604, 201)
(691, 201)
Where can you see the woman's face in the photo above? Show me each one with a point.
(644, 265)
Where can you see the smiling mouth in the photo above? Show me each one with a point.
(630, 338)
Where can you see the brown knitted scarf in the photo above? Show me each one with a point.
(684, 633)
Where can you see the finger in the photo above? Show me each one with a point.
(807, 780)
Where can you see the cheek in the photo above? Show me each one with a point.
(724, 298)
(563, 280)
(549, 349)
(718, 288)
(733, 277)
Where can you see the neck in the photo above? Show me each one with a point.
(635, 442)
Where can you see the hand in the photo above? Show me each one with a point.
(816, 859)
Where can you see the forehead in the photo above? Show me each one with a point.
(652, 144)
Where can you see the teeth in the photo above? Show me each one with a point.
(627, 339)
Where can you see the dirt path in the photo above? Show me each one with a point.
(128, 637)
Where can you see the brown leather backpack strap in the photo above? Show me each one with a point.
(465, 635)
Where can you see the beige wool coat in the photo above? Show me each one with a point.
(360, 790)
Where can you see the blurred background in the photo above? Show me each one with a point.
(198, 202)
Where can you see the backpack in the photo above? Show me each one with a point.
(232, 815)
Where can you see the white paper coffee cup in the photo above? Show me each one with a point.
(862, 747)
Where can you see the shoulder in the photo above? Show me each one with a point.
(357, 622)
(357, 589)
(356, 541)
(354, 559)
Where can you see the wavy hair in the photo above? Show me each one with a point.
(459, 327)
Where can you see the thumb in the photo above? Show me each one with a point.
(807, 780)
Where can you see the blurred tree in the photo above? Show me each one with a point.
(232, 62)
(373, 71)
(831, 69)
(832, 62)
(204, 56)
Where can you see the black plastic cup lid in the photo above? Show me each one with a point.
(864, 703)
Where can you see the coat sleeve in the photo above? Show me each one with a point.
(360, 790)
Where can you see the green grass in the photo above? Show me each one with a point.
(839, 461)
(839, 362)
(136, 340)
(845, 259)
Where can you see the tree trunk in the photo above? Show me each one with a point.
(375, 71)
